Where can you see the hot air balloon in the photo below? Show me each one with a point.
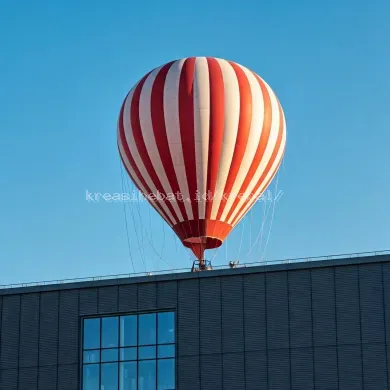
(201, 138)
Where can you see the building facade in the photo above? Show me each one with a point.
(320, 325)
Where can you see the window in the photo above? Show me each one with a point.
(129, 352)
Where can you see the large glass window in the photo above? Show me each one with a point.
(129, 352)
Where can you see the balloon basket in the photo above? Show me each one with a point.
(201, 265)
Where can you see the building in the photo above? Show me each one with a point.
(320, 325)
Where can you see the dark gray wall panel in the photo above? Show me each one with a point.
(29, 330)
(279, 369)
(188, 317)
(188, 374)
(108, 299)
(371, 303)
(350, 367)
(47, 378)
(302, 369)
(347, 305)
(255, 316)
(68, 343)
(28, 378)
(256, 373)
(388, 364)
(147, 296)
(323, 306)
(88, 301)
(299, 284)
(325, 368)
(48, 329)
(233, 371)
(128, 298)
(277, 310)
(1, 310)
(386, 294)
(210, 315)
(10, 323)
(211, 372)
(68, 375)
(374, 367)
(232, 314)
(9, 379)
(167, 295)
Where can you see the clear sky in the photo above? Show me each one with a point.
(65, 67)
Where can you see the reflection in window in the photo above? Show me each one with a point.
(166, 351)
(129, 352)
(166, 328)
(147, 329)
(91, 374)
(92, 333)
(109, 378)
(147, 375)
(128, 331)
(110, 329)
(166, 374)
(147, 352)
(92, 356)
(128, 376)
(110, 355)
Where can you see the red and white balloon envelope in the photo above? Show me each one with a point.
(202, 138)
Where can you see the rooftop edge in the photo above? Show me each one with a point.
(177, 274)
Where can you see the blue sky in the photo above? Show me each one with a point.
(66, 66)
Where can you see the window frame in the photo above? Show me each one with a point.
(119, 347)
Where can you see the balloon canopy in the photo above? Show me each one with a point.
(201, 138)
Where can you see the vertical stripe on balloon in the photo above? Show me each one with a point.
(267, 152)
(130, 165)
(255, 131)
(186, 119)
(230, 131)
(161, 139)
(264, 138)
(153, 162)
(217, 115)
(141, 147)
(268, 172)
(202, 129)
(244, 127)
(172, 127)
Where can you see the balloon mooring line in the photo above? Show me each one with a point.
(272, 218)
(136, 234)
(151, 244)
(150, 229)
(126, 224)
(142, 229)
(262, 225)
(147, 236)
(261, 231)
(242, 237)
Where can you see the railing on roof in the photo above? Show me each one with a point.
(181, 270)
